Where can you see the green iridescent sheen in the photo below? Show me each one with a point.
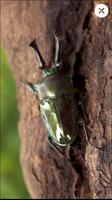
(56, 99)
(54, 93)
(53, 123)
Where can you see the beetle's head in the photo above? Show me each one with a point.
(55, 66)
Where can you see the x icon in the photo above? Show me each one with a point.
(101, 10)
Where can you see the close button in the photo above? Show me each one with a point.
(101, 10)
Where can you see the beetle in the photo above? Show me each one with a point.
(58, 108)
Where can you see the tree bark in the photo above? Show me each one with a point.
(86, 53)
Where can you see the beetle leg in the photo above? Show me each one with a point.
(56, 48)
(86, 135)
(38, 54)
(80, 158)
(30, 86)
(76, 154)
(84, 127)
(56, 63)
(57, 149)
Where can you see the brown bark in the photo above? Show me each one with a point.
(86, 41)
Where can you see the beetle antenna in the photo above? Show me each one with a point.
(33, 44)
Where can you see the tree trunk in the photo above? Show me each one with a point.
(86, 44)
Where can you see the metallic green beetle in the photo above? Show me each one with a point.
(56, 100)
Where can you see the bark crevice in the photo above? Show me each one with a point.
(85, 53)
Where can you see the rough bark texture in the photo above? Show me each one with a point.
(86, 42)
